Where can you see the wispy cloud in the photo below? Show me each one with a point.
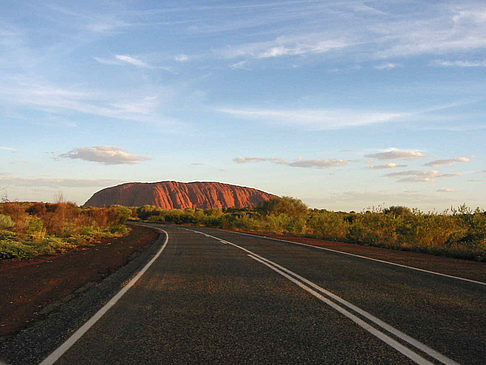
(459, 63)
(131, 60)
(122, 60)
(104, 24)
(181, 58)
(450, 161)
(456, 29)
(387, 66)
(285, 46)
(3, 148)
(138, 105)
(313, 118)
(301, 162)
(55, 182)
(386, 166)
(419, 175)
(446, 190)
(396, 154)
(107, 155)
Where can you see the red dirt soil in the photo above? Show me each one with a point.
(26, 287)
(463, 268)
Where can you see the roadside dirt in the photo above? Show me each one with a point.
(467, 269)
(32, 289)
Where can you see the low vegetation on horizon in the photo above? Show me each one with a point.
(32, 229)
(458, 232)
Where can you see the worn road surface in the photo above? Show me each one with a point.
(221, 297)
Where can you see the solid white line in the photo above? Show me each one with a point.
(387, 339)
(426, 349)
(53, 357)
(436, 355)
(363, 257)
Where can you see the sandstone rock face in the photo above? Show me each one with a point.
(177, 195)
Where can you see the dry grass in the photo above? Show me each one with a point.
(459, 232)
(32, 229)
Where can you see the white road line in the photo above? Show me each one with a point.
(53, 357)
(436, 355)
(363, 257)
(419, 345)
(387, 339)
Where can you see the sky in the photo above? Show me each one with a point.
(345, 105)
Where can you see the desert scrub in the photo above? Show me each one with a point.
(32, 229)
(458, 232)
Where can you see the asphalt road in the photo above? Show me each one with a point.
(221, 297)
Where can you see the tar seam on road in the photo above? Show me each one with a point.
(365, 257)
(54, 356)
(382, 336)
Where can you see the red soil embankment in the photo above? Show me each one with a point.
(28, 288)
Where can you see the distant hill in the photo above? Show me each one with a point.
(173, 194)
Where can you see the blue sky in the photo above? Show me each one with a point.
(343, 104)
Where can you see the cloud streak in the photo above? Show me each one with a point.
(131, 60)
(303, 163)
(121, 60)
(396, 154)
(56, 182)
(322, 119)
(419, 175)
(450, 161)
(386, 166)
(138, 105)
(459, 63)
(446, 190)
(107, 155)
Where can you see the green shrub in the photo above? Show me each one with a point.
(6, 221)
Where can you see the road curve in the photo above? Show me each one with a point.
(222, 297)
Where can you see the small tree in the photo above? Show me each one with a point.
(293, 208)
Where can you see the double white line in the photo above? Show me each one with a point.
(382, 331)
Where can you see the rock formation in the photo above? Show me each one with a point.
(172, 194)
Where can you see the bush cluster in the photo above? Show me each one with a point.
(31, 229)
(457, 232)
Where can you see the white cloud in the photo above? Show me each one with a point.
(239, 65)
(314, 118)
(106, 61)
(386, 166)
(136, 105)
(454, 29)
(450, 161)
(256, 159)
(131, 60)
(182, 58)
(55, 182)
(396, 154)
(107, 155)
(458, 63)
(286, 46)
(446, 190)
(3, 148)
(103, 24)
(419, 175)
(122, 60)
(304, 163)
(387, 66)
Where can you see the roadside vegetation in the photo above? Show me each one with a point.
(458, 232)
(31, 229)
